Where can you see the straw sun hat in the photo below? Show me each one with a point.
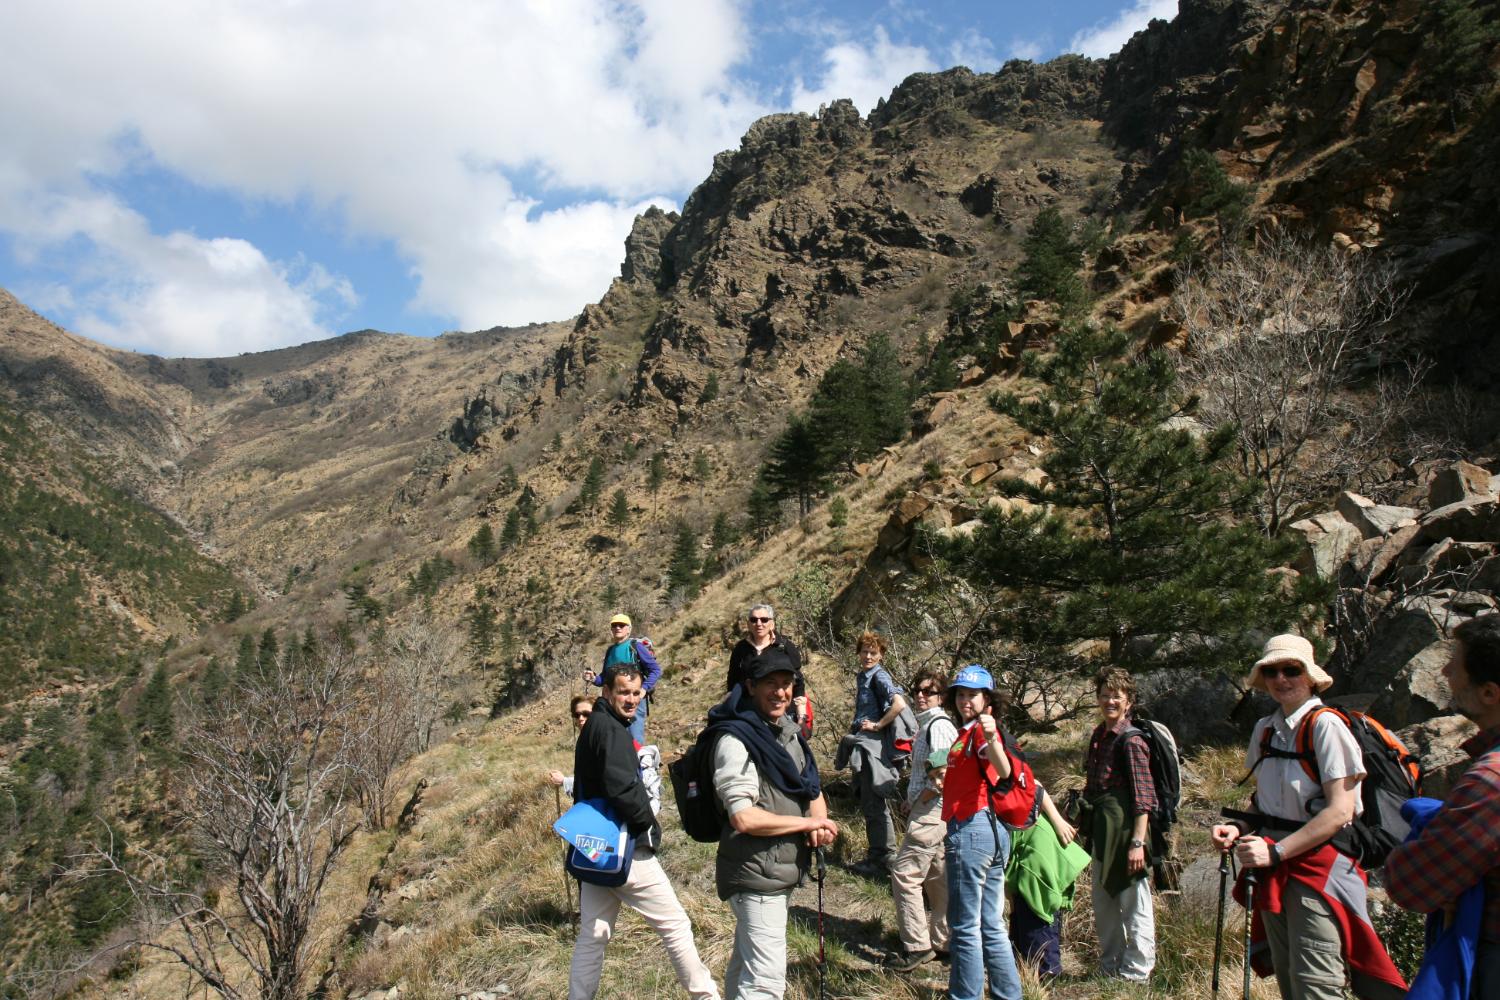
(1290, 649)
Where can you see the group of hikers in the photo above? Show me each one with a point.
(985, 840)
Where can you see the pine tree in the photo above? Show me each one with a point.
(266, 653)
(840, 411)
(509, 482)
(762, 510)
(481, 619)
(235, 609)
(682, 571)
(886, 395)
(795, 466)
(213, 686)
(482, 544)
(721, 536)
(1137, 534)
(511, 533)
(1049, 269)
(838, 513)
(619, 510)
(154, 713)
(593, 484)
(656, 475)
(244, 661)
(710, 389)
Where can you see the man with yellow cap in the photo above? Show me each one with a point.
(625, 649)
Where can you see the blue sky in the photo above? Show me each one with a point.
(206, 177)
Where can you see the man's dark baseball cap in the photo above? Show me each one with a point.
(771, 661)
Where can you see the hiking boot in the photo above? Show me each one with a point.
(906, 961)
(871, 869)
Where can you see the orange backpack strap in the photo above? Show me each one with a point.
(1301, 747)
(1303, 742)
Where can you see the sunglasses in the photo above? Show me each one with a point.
(1271, 673)
(930, 692)
(582, 715)
(618, 625)
(760, 621)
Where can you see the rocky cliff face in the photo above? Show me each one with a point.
(814, 233)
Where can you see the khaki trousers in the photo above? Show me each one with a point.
(1126, 927)
(1307, 953)
(757, 967)
(648, 892)
(919, 866)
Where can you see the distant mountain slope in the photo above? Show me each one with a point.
(89, 575)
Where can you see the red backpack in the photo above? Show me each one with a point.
(1017, 800)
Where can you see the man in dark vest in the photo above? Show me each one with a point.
(767, 783)
(605, 766)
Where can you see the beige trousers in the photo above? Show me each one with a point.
(919, 866)
(757, 966)
(1126, 928)
(1305, 948)
(648, 892)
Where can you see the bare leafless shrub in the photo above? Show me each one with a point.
(423, 656)
(940, 620)
(267, 786)
(1279, 338)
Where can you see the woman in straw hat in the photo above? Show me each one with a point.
(1310, 917)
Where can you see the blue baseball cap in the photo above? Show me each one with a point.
(973, 676)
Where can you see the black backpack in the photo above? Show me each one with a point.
(1392, 775)
(1166, 781)
(692, 777)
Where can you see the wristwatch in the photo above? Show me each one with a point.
(1137, 843)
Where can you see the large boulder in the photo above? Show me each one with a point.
(1419, 691)
(1369, 560)
(1445, 561)
(1372, 519)
(1476, 519)
(1413, 625)
(1196, 708)
(1459, 482)
(1327, 541)
(1438, 744)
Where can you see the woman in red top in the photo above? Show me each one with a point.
(977, 845)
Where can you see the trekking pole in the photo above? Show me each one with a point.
(1219, 925)
(822, 958)
(1251, 877)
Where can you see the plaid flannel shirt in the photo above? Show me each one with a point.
(1104, 774)
(1460, 845)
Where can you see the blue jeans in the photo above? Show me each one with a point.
(638, 724)
(977, 850)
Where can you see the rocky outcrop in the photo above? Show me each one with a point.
(1406, 579)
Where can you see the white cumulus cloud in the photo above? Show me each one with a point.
(1107, 37)
(863, 72)
(397, 122)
